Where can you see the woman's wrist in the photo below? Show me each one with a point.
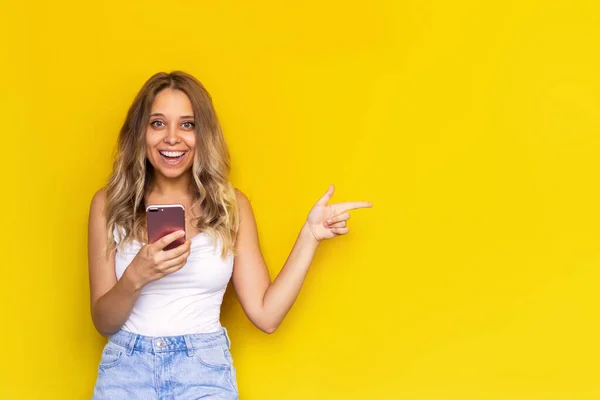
(131, 279)
(307, 236)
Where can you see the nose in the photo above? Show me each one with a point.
(172, 137)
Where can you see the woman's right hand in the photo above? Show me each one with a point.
(152, 262)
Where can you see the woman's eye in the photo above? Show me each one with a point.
(156, 124)
(188, 125)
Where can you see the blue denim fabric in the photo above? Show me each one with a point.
(186, 367)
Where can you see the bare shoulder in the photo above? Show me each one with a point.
(246, 213)
(97, 231)
(97, 204)
(240, 196)
(242, 201)
(99, 198)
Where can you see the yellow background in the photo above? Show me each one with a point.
(472, 126)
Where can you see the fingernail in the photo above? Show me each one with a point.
(329, 221)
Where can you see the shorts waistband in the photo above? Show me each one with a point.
(156, 344)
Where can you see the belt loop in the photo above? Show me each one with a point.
(188, 345)
(132, 342)
(227, 338)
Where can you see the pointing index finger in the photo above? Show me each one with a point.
(352, 205)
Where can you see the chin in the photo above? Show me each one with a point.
(174, 173)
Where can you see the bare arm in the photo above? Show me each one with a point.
(266, 303)
(112, 301)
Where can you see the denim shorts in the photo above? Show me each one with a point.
(166, 368)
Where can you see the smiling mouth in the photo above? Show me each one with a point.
(172, 158)
(173, 155)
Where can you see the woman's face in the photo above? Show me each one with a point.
(171, 135)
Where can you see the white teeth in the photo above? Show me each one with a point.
(172, 153)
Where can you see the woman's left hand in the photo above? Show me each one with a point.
(327, 221)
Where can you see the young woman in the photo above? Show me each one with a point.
(161, 308)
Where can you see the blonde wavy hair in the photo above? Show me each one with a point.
(132, 176)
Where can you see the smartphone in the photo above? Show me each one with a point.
(162, 219)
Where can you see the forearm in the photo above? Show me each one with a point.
(110, 311)
(282, 293)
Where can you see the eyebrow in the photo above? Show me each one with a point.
(162, 115)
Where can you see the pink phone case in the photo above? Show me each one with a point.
(162, 219)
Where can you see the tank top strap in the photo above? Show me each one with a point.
(118, 234)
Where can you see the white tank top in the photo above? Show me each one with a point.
(185, 302)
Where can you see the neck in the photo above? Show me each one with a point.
(172, 187)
